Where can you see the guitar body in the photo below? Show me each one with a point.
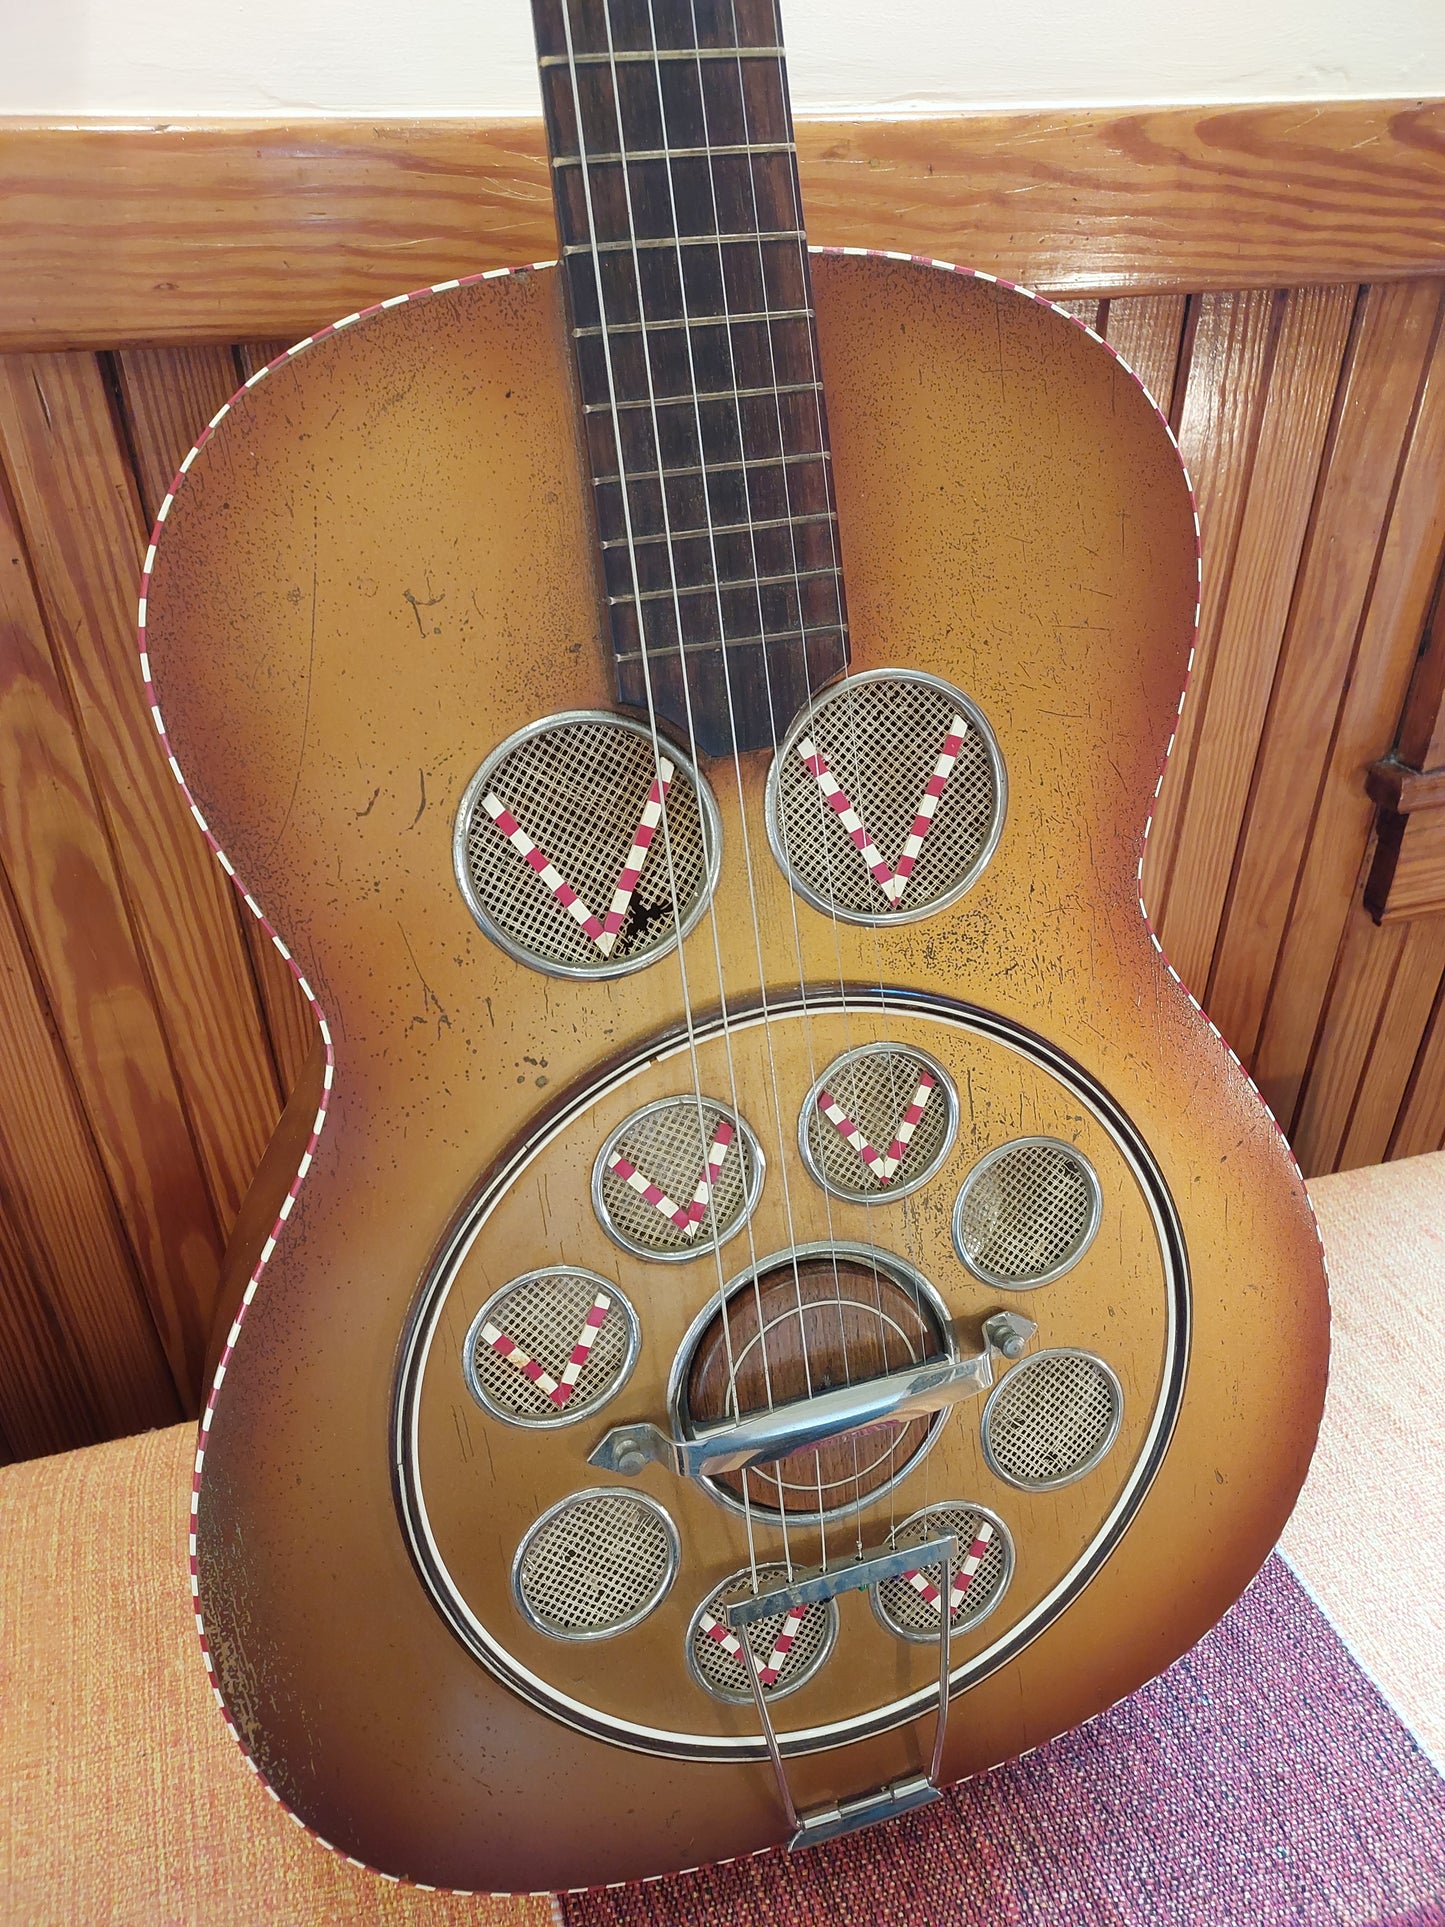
(380, 567)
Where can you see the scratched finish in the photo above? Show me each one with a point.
(379, 567)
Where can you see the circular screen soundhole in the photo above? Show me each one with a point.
(581, 851)
(785, 1648)
(677, 1178)
(550, 1347)
(1051, 1419)
(887, 797)
(595, 1564)
(1026, 1213)
(911, 1604)
(878, 1123)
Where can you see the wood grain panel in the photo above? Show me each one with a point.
(1148, 331)
(1374, 669)
(1422, 730)
(81, 521)
(44, 1400)
(1242, 644)
(168, 395)
(1396, 1044)
(1417, 870)
(1420, 1125)
(91, 1114)
(1392, 340)
(1230, 341)
(176, 233)
(80, 1358)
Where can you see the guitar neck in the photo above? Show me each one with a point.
(691, 308)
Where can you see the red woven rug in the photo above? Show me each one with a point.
(1262, 1782)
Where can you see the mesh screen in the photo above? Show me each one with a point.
(880, 739)
(1027, 1214)
(906, 1611)
(667, 1146)
(578, 790)
(875, 1086)
(597, 1565)
(543, 1313)
(722, 1672)
(1051, 1418)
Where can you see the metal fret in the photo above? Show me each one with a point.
(734, 475)
(719, 528)
(712, 394)
(716, 468)
(650, 54)
(696, 321)
(685, 241)
(655, 650)
(671, 154)
(716, 588)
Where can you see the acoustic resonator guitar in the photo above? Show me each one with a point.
(770, 1297)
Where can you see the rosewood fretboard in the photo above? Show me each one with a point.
(692, 315)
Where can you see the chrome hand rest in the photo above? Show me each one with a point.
(761, 1438)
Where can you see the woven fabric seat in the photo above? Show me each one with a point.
(126, 1801)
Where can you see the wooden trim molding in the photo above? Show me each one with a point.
(199, 232)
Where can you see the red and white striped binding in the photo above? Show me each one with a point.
(891, 882)
(730, 1643)
(253, 1283)
(883, 1164)
(687, 1220)
(962, 1578)
(558, 1390)
(603, 931)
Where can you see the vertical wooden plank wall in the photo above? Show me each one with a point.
(150, 1033)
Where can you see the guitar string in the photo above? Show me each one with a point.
(584, 173)
(911, 1238)
(727, 682)
(825, 828)
(730, 348)
(687, 698)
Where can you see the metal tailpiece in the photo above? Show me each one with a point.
(899, 1796)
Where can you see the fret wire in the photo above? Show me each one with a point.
(712, 394)
(671, 154)
(721, 528)
(651, 54)
(684, 241)
(717, 588)
(656, 649)
(697, 321)
(716, 468)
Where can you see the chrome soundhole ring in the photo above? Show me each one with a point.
(518, 1356)
(887, 798)
(1052, 1419)
(677, 1178)
(903, 1606)
(787, 1652)
(858, 1133)
(566, 855)
(1027, 1212)
(595, 1564)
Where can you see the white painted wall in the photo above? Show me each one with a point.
(175, 58)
